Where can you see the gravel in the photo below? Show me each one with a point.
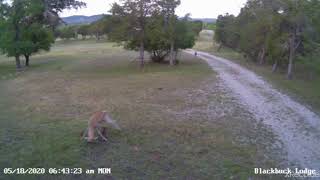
(295, 125)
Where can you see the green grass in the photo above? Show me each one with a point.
(210, 26)
(301, 87)
(44, 108)
(6, 68)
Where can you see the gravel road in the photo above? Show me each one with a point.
(294, 124)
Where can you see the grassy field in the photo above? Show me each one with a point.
(301, 87)
(177, 122)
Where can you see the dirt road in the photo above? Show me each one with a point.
(294, 124)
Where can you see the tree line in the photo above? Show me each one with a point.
(146, 25)
(277, 32)
(96, 29)
(27, 26)
(30, 26)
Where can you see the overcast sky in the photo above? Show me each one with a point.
(197, 8)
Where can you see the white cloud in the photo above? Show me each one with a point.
(197, 8)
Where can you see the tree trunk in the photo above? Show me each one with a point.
(27, 60)
(18, 63)
(275, 66)
(142, 54)
(16, 39)
(262, 56)
(172, 54)
(98, 37)
(219, 48)
(175, 56)
(291, 56)
(311, 75)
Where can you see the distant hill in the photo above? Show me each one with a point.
(73, 20)
(205, 20)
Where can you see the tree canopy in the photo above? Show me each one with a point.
(26, 25)
(152, 26)
(273, 31)
(29, 26)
